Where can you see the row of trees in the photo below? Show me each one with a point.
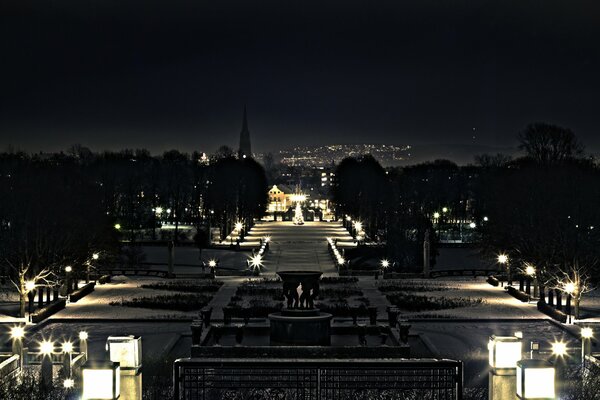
(60, 210)
(541, 208)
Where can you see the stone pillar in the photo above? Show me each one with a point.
(502, 387)
(40, 297)
(551, 297)
(48, 292)
(558, 300)
(426, 255)
(47, 370)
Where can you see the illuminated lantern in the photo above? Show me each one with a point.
(535, 380)
(504, 351)
(126, 350)
(101, 380)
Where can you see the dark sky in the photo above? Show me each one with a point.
(176, 74)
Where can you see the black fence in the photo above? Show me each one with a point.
(310, 379)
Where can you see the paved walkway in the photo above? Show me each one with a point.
(299, 247)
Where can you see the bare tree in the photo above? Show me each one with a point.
(575, 281)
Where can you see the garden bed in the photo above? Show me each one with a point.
(260, 297)
(432, 296)
(175, 302)
(188, 286)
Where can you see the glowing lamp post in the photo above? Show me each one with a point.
(503, 260)
(504, 352)
(68, 270)
(46, 350)
(67, 349)
(83, 343)
(587, 334)
(101, 380)
(535, 380)
(126, 350)
(17, 333)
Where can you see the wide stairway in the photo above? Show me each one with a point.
(298, 247)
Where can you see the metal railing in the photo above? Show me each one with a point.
(315, 379)
(9, 366)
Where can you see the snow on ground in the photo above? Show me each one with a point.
(97, 303)
(496, 302)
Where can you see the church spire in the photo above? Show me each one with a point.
(245, 149)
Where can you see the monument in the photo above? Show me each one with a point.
(300, 323)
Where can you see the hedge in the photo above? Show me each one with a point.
(516, 293)
(49, 310)
(493, 281)
(551, 311)
(80, 293)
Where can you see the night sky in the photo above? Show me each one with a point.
(176, 74)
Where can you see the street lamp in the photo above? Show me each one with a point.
(118, 227)
(17, 333)
(46, 350)
(385, 263)
(83, 344)
(503, 260)
(67, 349)
(587, 334)
(68, 270)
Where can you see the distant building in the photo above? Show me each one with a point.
(280, 199)
(245, 149)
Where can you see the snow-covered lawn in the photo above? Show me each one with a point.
(97, 304)
(496, 303)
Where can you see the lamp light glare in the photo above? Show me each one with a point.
(29, 286)
(530, 270)
(68, 268)
(504, 351)
(238, 226)
(559, 349)
(256, 261)
(385, 263)
(17, 332)
(587, 333)
(46, 347)
(83, 335)
(436, 215)
(212, 263)
(570, 287)
(117, 226)
(67, 347)
(68, 383)
(95, 256)
(502, 258)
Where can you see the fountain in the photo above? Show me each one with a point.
(300, 323)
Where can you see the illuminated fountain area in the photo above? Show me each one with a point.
(300, 323)
(298, 329)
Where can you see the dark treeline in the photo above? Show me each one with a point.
(541, 209)
(59, 209)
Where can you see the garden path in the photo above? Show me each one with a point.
(299, 247)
